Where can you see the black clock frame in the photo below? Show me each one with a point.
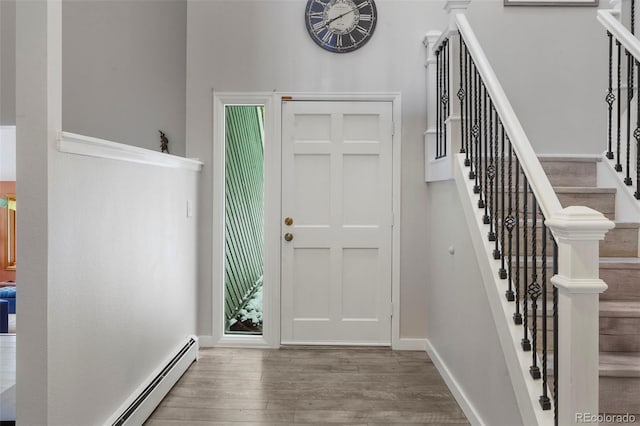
(358, 36)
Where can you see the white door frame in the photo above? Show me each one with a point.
(273, 206)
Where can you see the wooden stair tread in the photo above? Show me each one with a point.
(559, 158)
(619, 262)
(583, 190)
(626, 225)
(619, 364)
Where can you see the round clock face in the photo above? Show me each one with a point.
(341, 25)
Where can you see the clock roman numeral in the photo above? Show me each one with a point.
(319, 26)
(363, 4)
(327, 37)
(318, 15)
(362, 30)
(339, 40)
(365, 17)
(353, 40)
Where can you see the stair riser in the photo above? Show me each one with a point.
(616, 343)
(604, 203)
(624, 284)
(620, 242)
(570, 173)
(559, 172)
(619, 395)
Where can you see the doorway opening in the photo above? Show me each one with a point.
(244, 219)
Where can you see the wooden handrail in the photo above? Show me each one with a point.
(622, 34)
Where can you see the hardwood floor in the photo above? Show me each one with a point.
(364, 386)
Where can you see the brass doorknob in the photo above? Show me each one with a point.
(288, 221)
(288, 236)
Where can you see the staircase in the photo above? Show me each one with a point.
(574, 180)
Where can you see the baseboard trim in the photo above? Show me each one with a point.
(455, 388)
(410, 344)
(205, 341)
(141, 403)
(403, 344)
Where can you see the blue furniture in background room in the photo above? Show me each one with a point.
(9, 294)
(4, 316)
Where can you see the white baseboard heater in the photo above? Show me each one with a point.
(140, 406)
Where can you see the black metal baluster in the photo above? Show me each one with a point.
(509, 222)
(627, 179)
(438, 104)
(473, 174)
(633, 17)
(555, 335)
(534, 288)
(461, 96)
(618, 166)
(467, 99)
(610, 98)
(503, 271)
(636, 135)
(496, 249)
(483, 158)
(445, 97)
(477, 189)
(478, 130)
(491, 174)
(517, 316)
(544, 400)
(526, 343)
(471, 107)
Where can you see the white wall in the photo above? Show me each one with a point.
(7, 62)
(259, 45)
(7, 153)
(122, 280)
(107, 286)
(459, 322)
(124, 71)
(552, 63)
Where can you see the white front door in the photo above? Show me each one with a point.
(337, 191)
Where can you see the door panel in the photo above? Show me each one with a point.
(337, 188)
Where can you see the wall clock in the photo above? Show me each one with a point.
(341, 26)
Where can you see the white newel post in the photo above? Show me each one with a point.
(454, 132)
(442, 168)
(578, 231)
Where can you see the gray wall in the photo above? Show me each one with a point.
(459, 322)
(552, 63)
(7, 62)
(258, 45)
(124, 71)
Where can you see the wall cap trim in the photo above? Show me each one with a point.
(71, 143)
(578, 286)
(456, 5)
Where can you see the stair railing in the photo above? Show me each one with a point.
(545, 257)
(623, 111)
